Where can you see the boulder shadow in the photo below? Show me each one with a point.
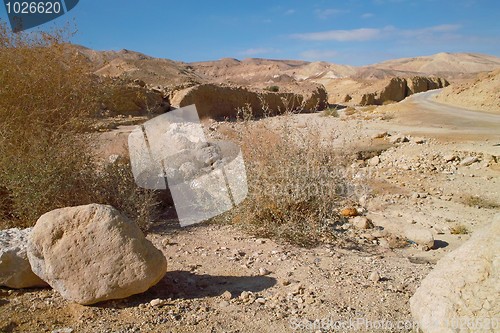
(187, 285)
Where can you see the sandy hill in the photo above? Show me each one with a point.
(132, 65)
(450, 65)
(339, 80)
(482, 93)
(248, 71)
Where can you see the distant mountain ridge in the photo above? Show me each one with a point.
(257, 71)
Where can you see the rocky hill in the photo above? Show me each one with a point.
(482, 93)
(397, 89)
(343, 84)
(449, 65)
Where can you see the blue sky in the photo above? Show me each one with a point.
(351, 32)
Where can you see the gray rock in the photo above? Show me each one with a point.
(15, 269)
(92, 253)
(464, 285)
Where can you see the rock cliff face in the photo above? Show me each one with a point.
(398, 89)
(216, 100)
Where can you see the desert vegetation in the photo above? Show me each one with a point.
(48, 100)
(297, 181)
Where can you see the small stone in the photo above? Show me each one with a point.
(421, 237)
(227, 295)
(224, 304)
(361, 223)
(260, 300)
(245, 295)
(264, 271)
(469, 160)
(285, 282)
(374, 161)
(379, 135)
(157, 302)
(349, 212)
(384, 243)
(449, 157)
(297, 289)
(63, 330)
(374, 277)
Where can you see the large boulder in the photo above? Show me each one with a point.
(218, 101)
(463, 288)
(15, 269)
(93, 253)
(396, 89)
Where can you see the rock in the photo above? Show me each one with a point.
(374, 161)
(264, 271)
(224, 304)
(398, 139)
(396, 89)
(450, 157)
(157, 302)
(420, 236)
(92, 253)
(227, 295)
(463, 284)
(245, 295)
(260, 301)
(297, 289)
(63, 330)
(349, 212)
(379, 135)
(374, 277)
(15, 269)
(285, 282)
(361, 223)
(469, 160)
(216, 101)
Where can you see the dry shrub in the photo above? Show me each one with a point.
(330, 112)
(481, 202)
(297, 183)
(47, 97)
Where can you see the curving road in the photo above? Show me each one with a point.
(422, 114)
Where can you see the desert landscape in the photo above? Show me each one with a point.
(373, 195)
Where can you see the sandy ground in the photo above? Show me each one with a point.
(223, 280)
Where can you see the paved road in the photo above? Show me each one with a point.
(421, 113)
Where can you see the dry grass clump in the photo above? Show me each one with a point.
(330, 112)
(47, 97)
(297, 183)
(459, 229)
(477, 201)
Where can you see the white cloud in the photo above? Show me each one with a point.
(329, 12)
(289, 12)
(358, 35)
(318, 54)
(368, 34)
(438, 29)
(367, 15)
(257, 51)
